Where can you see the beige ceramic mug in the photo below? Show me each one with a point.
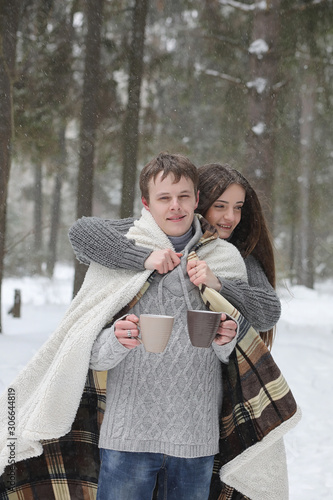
(202, 327)
(155, 331)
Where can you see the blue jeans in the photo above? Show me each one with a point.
(132, 476)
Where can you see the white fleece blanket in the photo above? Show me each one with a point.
(49, 389)
(260, 472)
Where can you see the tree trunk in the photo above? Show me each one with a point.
(94, 9)
(55, 222)
(64, 81)
(9, 16)
(130, 135)
(262, 100)
(56, 205)
(38, 217)
(305, 240)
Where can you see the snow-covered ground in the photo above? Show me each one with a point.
(303, 350)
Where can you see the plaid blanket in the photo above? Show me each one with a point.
(256, 396)
(69, 466)
(256, 400)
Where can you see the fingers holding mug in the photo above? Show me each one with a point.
(127, 331)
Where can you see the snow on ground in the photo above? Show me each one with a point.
(303, 350)
(44, 302)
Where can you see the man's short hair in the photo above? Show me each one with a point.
(176, 164)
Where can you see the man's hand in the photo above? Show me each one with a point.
(200, 274)
(163, 260)
(226, 331)
(126, 330)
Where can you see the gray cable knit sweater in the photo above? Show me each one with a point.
(169, 402)
(103, 241)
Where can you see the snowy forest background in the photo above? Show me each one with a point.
(90, 90)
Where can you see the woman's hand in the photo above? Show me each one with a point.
(126, 330)
(226, 331)
(200, 274)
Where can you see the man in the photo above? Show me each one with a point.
(162, 410)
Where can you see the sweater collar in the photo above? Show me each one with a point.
(180, 242)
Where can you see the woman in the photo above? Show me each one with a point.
(230, 204)
(241, 221)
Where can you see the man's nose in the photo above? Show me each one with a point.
(175, 204)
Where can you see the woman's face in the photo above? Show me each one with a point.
(226, 212)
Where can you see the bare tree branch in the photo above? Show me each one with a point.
(224, 39)
(305, 6)
(222, 76)
(261, 5)
(26, 235)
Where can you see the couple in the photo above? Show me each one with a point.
(162, 411)
(166, 415)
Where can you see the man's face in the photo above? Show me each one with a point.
(172, 205)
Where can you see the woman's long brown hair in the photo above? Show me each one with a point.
(251, 236)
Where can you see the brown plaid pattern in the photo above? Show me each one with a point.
(256, 399)
(69, 466)
(256, 396)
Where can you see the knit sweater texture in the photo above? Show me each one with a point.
(103, 241)
(170, 402)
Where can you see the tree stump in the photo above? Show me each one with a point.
(16, 309)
